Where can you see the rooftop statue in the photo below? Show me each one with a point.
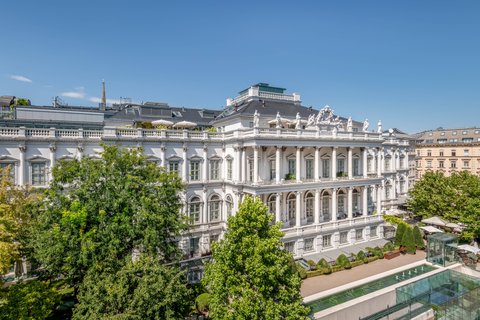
(298, 121)
(256, 119)
(379, 126)
(278, 121)
(326, 117)
(365, 125)
(349, 124)
(311, 120)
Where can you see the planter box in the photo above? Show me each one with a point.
(391, 255)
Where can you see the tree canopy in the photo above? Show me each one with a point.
(455, 198)
(97, 212)
(250, 276)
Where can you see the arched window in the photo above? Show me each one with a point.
(309, 206)
(325, 200)
(229, 204)
(214, 205)
(272, 203)
(402, 185)
(388, 190)
(291, 206)
(356, 201)
(341, 202)
(194, 209)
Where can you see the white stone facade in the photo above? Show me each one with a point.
(325, 186)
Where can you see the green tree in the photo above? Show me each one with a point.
(14, 220)
(141, 289)
(401, 227)
(250, 275)
(408, 240)
(30, 300)
(417, 238)
(98, 212)
(455, 198)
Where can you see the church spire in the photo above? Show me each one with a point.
(103, 104)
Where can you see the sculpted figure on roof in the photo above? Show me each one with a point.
(256, 119)
(365, 125)
(349, 124)
(298, 121)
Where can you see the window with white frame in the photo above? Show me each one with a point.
(343, 237)
(309, 168)
(325, 168)
(272, 203)
(39, 173)
(326, 204)
(340, 165)
(327, 240)
(229, 169)
(173, 166)
(290, 247)
(387, 163)
(309, 205)
(291, 166)
(388, 191)
(214, 169)
(194, 170)
(402, 186)
(341, 202)
(466, 163)
(355, 200)
(358, 234)
(402, 162)
(214, 206)
(308, 245)
(356, 167)
(250, 170)
(466, 152)
(291, 205)
(273, 172)
(8, 166)
(195, 209)
(194, 245)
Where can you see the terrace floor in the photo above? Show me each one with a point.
(325, 282)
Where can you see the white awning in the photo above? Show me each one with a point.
(431, 229)
(469, 248)
(184, 124)
(435, 221)
(162, 122)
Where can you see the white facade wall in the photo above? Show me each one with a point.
(319, 213)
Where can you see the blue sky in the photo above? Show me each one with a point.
(413, 64)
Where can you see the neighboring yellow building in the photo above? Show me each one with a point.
(448, 151)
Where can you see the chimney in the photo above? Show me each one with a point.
(103, 104)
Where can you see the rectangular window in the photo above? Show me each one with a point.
(387, 164)
(454, 153)
(194, 245)
(441, 164)
(8, 165)
(308, 244)
(214, 169)
(402, 162)
(229, 169)
(273, 172)
(453, 164)
(343, 237)
(325, 168)
(291, 166)
(441, 154)
(373, 232)
(466, 164)
(429, 153)
(309, 168)
(250, 170)
(358, 234)
(429, 163)
(290, 247)
(327, 241)
(195, 170)
(39, 174)
(340, 165)
(173, 166)
(356, 167)
(369, 165)
(195, 212)
(466, 152)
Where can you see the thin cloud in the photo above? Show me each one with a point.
(98, 100)
(73, 94)
(20, 78)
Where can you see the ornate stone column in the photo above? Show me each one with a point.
(244, 165)
(22, 166)
(255, 165)
(52, 149)
(316, 170)
(350, 167)
(334, 204)
(316, 212)
(379, 199)
(350, 202)
(334, 163)
(205, 163)
(237, 172)
(205, 207)
(185, 163)
(278, 208)
(298, 165)
(364, 163)
(365, 201)
(379, 162)
(278, 162)
(298, 209)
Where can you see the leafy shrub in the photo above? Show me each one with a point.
(388, 247)
(301, 272)
(361, 255)
(202, 302)
(408, 240)
(343, 261)
(417, 237)
(315, 273)
(311, 263)
(357, 263)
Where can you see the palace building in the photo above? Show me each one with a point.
(327, 179)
